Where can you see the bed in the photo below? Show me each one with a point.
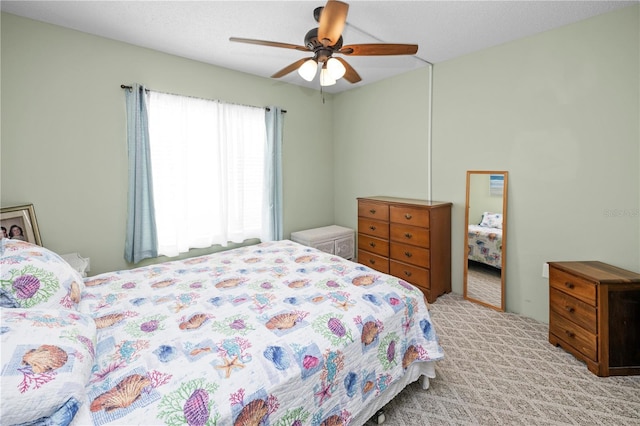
(272, 334)
(485, 240)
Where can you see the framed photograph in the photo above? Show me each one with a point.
(19, 223)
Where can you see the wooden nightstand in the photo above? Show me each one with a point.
(594, 314)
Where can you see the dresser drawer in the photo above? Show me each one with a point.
(374, 228)
(573, 285)
(585, 342)
(373, 210)
(373, 245)
(573, 309)
(410, 254)
(410, 235)
(409, 216)
(374, 261)
(413, 274)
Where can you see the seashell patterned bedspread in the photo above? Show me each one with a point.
(485, 245)
(272, 334)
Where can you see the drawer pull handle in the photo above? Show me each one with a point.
(407, 273)
(569, 285)
(407, 216)
(408, 253)
(372, 244)
(372, 211)
(570, 309)
(372, 261)
(408, 235)
(373, 228)
(570, 334)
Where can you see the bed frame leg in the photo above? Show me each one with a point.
(379, 417)
(424, 382)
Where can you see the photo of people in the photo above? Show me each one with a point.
(13, 229)
(16, 233)
(19, 223)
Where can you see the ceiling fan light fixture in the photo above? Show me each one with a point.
(308, 69)
(325, 77)
(335, 68)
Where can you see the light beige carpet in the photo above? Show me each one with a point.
(499, 369)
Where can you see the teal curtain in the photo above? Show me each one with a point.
(141, 239)
(274, 117)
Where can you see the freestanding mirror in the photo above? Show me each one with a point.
(485, 238)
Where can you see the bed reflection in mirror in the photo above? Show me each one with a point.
(485, 238)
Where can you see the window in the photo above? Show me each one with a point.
(208, 169)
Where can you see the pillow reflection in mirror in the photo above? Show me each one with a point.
(491, 220)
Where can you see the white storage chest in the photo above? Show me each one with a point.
(332, 239)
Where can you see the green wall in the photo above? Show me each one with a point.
(381, 142)
(561, 112)
(64, 141)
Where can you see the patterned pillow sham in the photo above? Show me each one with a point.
(33, 276)
(491, 220)
(46, 360)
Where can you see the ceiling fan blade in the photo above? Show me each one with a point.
(289, 68)
(269, 43)
(350, 75)
(332, 21)
(379, 49)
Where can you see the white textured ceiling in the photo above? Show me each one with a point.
(200, 30)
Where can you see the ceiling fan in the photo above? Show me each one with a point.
(324, 42)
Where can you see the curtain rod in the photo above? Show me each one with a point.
(122, 86)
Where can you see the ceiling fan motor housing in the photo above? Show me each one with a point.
(321, 52)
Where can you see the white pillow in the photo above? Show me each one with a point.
(46, 360)
(33, 276)
(491, 220)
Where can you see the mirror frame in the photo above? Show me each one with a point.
(503, 274)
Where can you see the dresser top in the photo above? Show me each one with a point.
(598, 271)
(406, 201)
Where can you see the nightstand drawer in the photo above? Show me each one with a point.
(573, 285)
(376, 262)
(410, 235)
(373, 245)
(372, 210)
(586, 343)
(409, 216)
(410, 254)
(574, 310)
(374, 228)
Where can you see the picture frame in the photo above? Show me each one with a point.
(22, 220)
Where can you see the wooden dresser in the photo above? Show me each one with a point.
(594, 313)
(407, 238)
